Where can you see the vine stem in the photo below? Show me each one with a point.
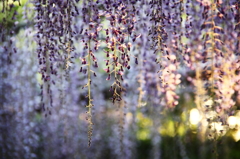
(89, 113)
(89, 79)
(89, 97)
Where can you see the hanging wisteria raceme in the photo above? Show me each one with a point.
(91, 42)
(55, 44)
(121, 20)
(215, 65)
(165, 18)
(217, 61)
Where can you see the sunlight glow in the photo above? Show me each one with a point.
(195, 116)
(232, 121)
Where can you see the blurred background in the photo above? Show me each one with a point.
(140, 126)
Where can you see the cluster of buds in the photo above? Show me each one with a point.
(54, 40)
(170, 78)
(90, 39)
(225, 86)
(215, 68)
(122, 21)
